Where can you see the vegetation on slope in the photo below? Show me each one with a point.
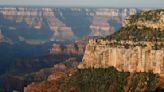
(99, 80)
(136, 32)
(151, 15)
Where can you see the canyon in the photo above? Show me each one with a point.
(38, 31)
(59, 24)
(34, 39)
(131, 59)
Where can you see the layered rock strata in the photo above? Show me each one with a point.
(139, 59)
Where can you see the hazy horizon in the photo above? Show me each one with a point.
(85, 3)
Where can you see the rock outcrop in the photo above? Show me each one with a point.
(130, 53)
(76, 48)
(155, 20)
(137, 59)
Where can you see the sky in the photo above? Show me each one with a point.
(86, 3)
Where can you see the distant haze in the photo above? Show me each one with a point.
(86, 3)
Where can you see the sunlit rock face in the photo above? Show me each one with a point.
(137, 59)
(127, 54)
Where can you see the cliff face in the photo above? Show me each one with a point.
(133, 59)
(107, 21)
(135, 47)
(76, 48)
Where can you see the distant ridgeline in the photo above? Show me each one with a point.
(137, 46)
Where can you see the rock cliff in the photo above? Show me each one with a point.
(76, 48)
(133, 59)
(132, 55)
(106, 21)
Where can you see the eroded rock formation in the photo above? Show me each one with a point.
(133, 48)
(76, 48)
(102, 55)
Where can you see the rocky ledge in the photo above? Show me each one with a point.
(134, 48)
